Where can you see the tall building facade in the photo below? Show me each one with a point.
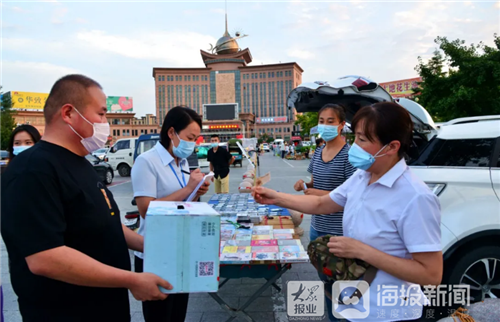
(260, 90)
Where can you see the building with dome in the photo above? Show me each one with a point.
(258, 91)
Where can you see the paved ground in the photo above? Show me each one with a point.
(269, 307)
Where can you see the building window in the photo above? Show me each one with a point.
(159, 78)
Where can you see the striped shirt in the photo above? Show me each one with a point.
(328, 176)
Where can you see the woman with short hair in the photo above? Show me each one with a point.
(391, 218)
(162, 174)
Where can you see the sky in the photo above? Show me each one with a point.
(118, 43)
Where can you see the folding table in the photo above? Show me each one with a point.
(269, 270)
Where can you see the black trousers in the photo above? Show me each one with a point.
(173, 309)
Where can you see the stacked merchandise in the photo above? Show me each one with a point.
(244, 241)
(259, 244)
(239, 208)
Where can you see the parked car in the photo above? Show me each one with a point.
(4, 160)
(103, 169)
(101, 153)
(306, 143)
(121, 155)
(265, 147)
(202, 152)
(145, 142)
(460, 163)
(193, 160)
(235, 151)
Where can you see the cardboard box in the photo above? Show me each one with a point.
(182, 244)
(279, 222)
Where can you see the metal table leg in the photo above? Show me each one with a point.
(240, 311)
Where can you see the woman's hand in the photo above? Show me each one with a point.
(265, 196)
(194, 179)
(299, 185)
(346, 247)
(203, 189)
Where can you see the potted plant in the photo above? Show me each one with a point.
(298, 153)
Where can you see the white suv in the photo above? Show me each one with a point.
(460, 163)
(462, 166)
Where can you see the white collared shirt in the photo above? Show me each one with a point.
(152, 176)
(398, 215)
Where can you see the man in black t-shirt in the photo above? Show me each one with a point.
(220, 159)
(68, 251)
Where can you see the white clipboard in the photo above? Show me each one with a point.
(205, 178)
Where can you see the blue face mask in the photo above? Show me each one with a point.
(214, 145)
(184, 149)
(361, 159)
(328, 132)
(20, 148)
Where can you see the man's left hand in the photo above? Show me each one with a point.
(346, 247)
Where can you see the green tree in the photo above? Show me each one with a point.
(460, 80)
(307, 121)
(6, 120)
(266, 138)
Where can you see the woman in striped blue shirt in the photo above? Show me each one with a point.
(329, 168)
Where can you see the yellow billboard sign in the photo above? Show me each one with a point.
(28, 100)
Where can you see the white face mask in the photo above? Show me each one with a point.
(98, 139)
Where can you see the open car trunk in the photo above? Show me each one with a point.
(355, 92)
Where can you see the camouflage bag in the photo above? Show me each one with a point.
(332, 268)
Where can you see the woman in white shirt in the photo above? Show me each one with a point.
(162, 173)
(391, 218)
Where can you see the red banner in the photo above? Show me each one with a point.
(401, 88)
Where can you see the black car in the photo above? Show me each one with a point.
(104, 170)
(193, 160)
